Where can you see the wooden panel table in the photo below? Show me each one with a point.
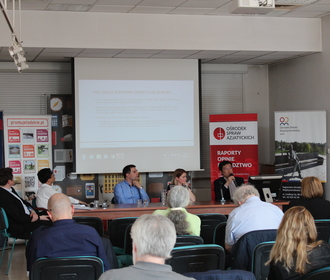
(131, 210)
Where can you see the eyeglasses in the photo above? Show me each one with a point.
(227, 168)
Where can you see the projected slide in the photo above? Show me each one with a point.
(136, 111)
(154, 113)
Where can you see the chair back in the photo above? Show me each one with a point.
(188, 240)
(260, 257)
(117, 232)
(197, 258)
(208, 224)
(4, 224)
(128, 244)
(94, 222)
(219, 234)
(73, 268)
(320, 274)
(323, 229)
(222, 275)
(243, 249)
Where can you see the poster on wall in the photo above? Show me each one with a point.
(300, 148)
(27, 142)
(234, 138)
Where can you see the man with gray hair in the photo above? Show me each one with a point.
(252, 214)
(153, 237)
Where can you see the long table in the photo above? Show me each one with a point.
(131, 210)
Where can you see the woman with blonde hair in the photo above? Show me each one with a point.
(180, 179)
(184, 222)
(312, 192)
(296, 251)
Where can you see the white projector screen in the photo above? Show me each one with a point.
(136, 111)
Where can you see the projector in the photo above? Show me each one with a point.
(251, 6)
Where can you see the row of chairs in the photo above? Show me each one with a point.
(117, 229)
(213, 228)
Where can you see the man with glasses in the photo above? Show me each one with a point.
(225, 186)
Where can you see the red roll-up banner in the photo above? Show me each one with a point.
(234, 137)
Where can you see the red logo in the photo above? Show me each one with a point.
(219, 133)
(284, 121)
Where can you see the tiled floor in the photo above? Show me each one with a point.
(18, 266)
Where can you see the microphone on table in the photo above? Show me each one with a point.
(231, 174)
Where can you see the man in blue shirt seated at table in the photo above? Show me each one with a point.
(65, 238)
(130, 190)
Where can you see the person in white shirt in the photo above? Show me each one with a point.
(252, 214)
(47, 178)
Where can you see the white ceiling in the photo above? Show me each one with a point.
(292, 8)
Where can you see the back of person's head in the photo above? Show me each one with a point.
(127, 169)
(311, 187)
(223, 163)
(44, 174)
(153, 235)
(6, 174)
(177, 173)
(242, 193)
(296, 235)
(59, 207)
(178, 197)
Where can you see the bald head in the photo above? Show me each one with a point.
(59, 207)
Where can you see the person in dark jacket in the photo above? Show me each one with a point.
(225, 186)
(22, 218)
(312, 192)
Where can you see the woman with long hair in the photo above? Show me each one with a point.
(180, 179)
(185, 223)
(311, 198)
(296, 250)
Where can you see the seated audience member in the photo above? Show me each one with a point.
(180, 179)
(225, 186)
(185, 223)
(296, 251)
(130, 190)
(312, 192)
(153, 240)
(47, 178)
(65, 237)
(252, 214)
(21, 216)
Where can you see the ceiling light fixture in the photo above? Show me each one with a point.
(16, 50)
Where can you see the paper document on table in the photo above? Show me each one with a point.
(82, 207)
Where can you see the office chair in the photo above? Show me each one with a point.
(320, 274)
(119, 235)
(73, 268)
(208, 224)
(94, 222)
(260, 257)
(243, 249)
(323, 229)
(197, 258)
(219, 234)
(219, 239)
(4, 225)
(188, 240)
(117, 230)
